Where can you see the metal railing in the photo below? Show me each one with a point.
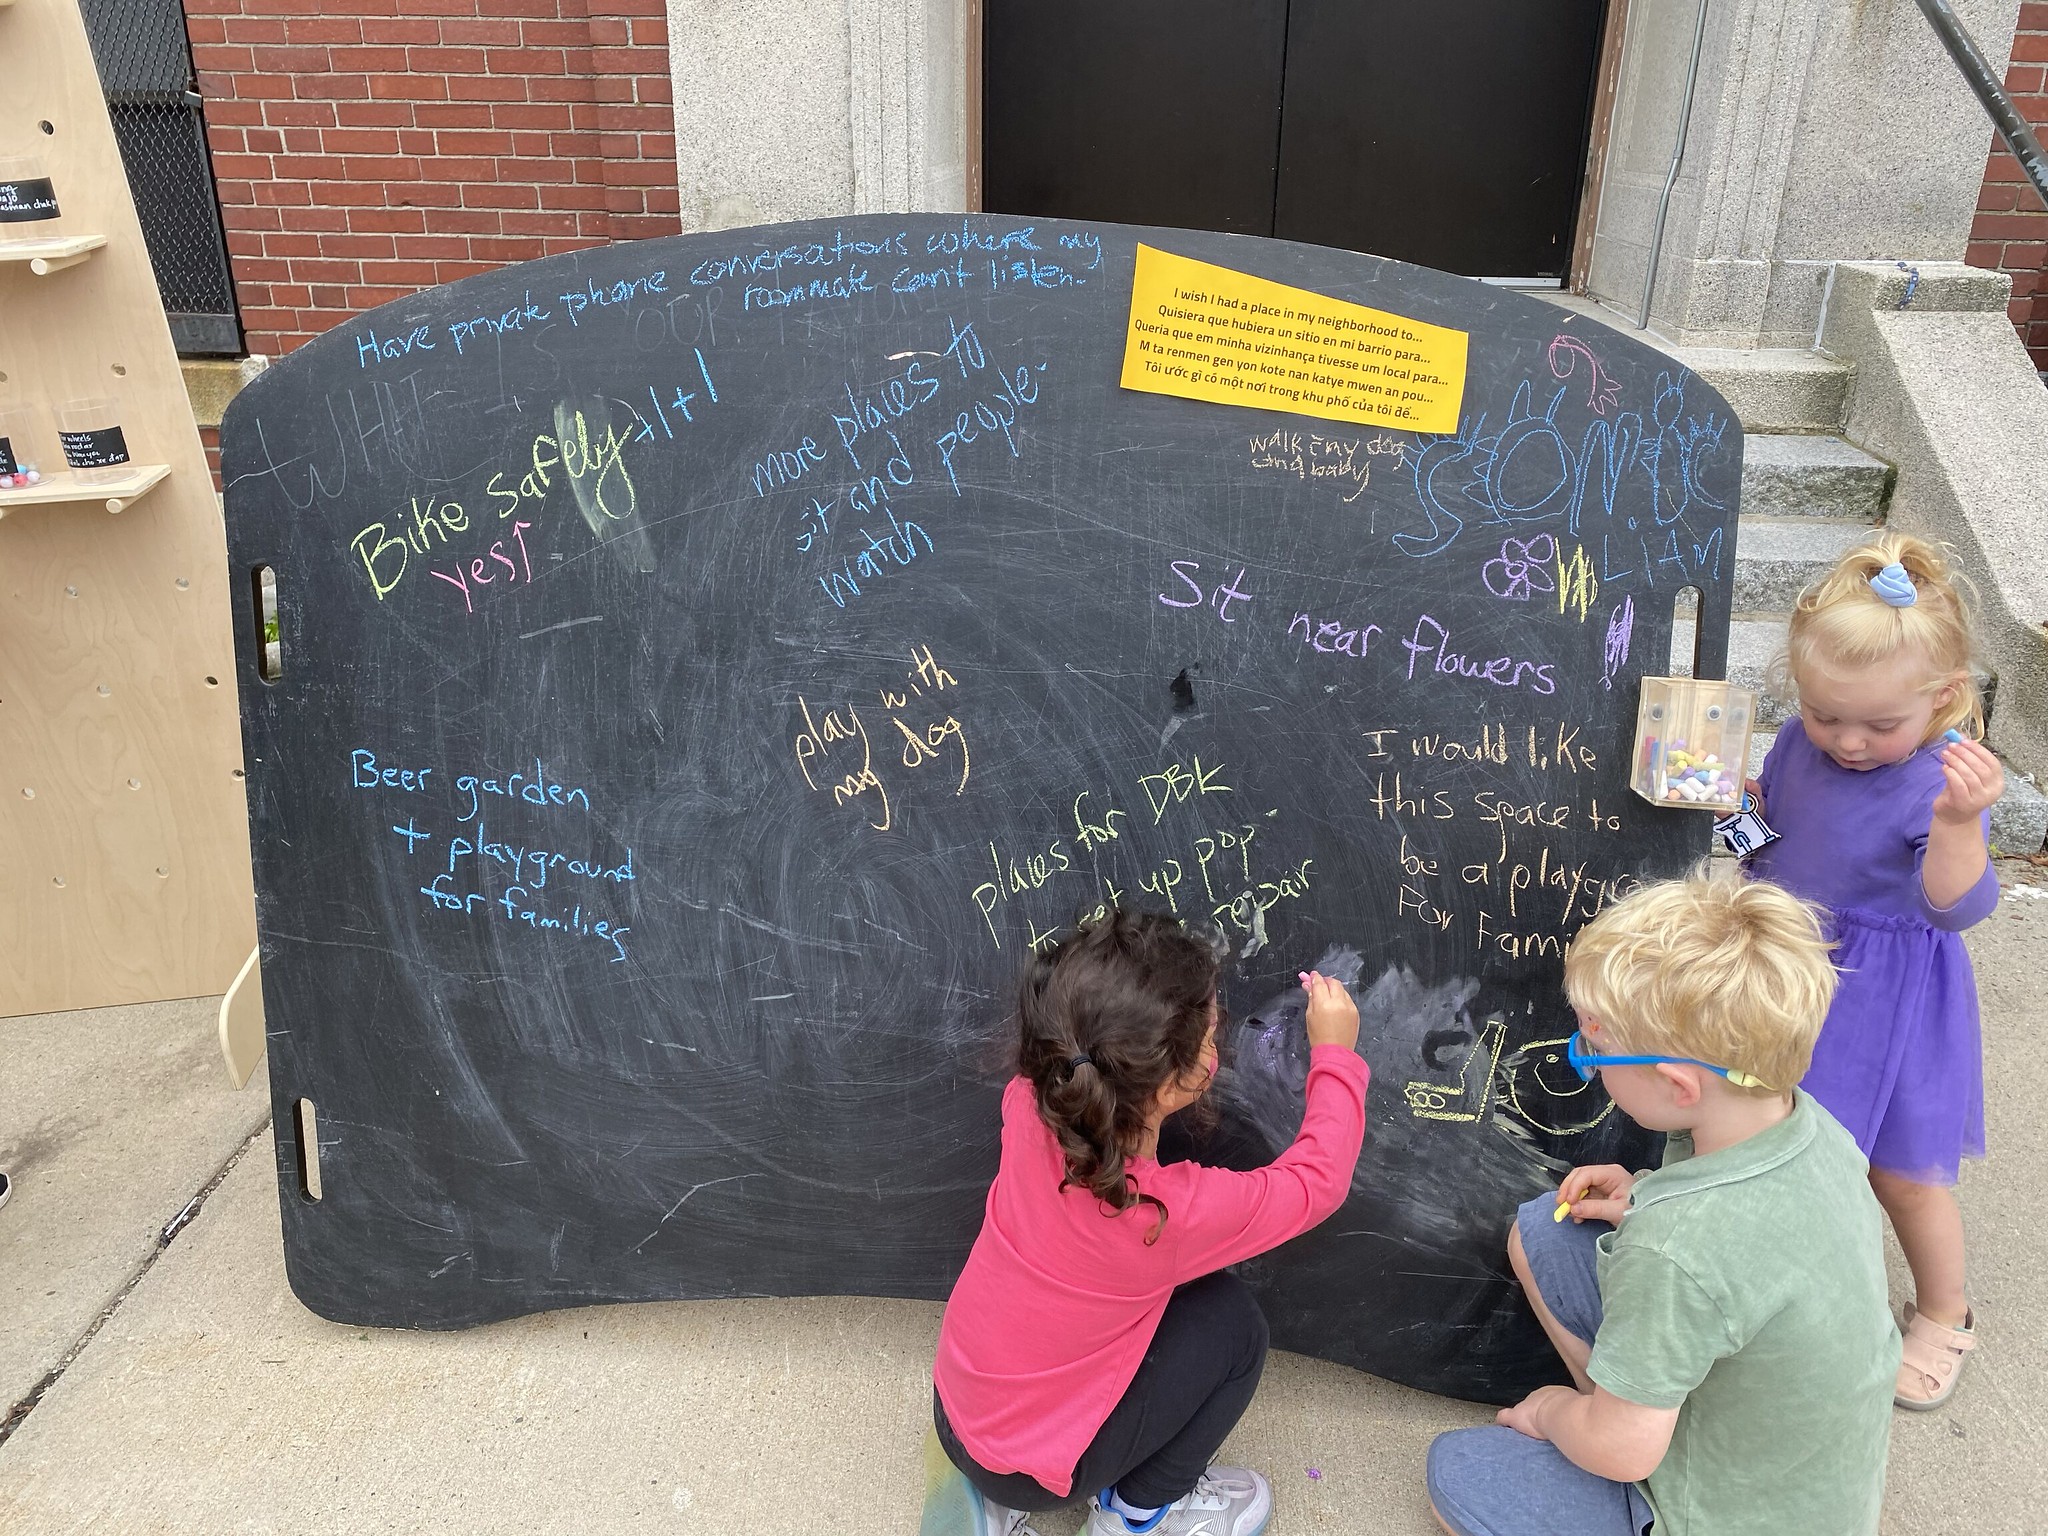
(2012, 128)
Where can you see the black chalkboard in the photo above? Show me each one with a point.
(707, 665)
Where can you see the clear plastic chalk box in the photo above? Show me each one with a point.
(1692, 743)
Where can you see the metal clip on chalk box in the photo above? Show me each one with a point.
(1692, 743)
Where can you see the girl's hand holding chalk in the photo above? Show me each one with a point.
(1332, 1015)
(1975, 779)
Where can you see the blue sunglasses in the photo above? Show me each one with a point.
(1586, 1063)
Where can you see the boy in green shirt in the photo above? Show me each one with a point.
(1725, 1317)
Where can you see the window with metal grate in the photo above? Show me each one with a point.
(145, 69)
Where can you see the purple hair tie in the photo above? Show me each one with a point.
(1895, 586)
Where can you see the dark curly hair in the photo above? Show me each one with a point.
(1132, 993)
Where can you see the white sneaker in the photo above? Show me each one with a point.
(1227, 1501)
(1004, 1522)
(998, 1521)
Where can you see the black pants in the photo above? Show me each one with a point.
(1192, 1387)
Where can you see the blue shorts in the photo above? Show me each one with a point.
(1495, 1481)
(1564, 1261)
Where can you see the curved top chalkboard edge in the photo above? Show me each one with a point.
(1281, 261)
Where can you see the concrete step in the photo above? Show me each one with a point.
(1774, 390)
(1754, 641)
(1771, 389)
(1775, 557)
(1801, 476)
(2019, 822)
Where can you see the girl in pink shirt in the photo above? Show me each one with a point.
(1093, 1340)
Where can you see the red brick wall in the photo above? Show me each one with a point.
(365, 149)
(2011, 231)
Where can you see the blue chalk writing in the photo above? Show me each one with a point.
(994, 413)
(517, 318)
(914, 280)
(786, 466)
(849, 284)
(518, 906)
(1527, 470)
(1085, 240)
(527, 867)
(842, 268)
(670, 401)
(624, 291)
(366, 773)
(372, 348)
(947, 242)
(541, 860)
(875, 407)
(537, 789)
(763, 260)
(885, 554)
(1034, 273)
(814, 513)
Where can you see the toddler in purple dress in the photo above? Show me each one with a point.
(1880, 801)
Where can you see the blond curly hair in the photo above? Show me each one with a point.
(1719, 969)
(1840, 623)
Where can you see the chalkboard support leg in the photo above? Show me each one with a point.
(241, 1023)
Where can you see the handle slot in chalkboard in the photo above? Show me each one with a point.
(269, 633)
(306, 1142)
(1688, 606)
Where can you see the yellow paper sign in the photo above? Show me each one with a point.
(1205, 332)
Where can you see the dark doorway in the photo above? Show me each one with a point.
(1134, 111)
(1452, 134)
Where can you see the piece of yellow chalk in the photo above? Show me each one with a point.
(1563, 1210)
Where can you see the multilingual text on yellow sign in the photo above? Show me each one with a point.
(1205, 332)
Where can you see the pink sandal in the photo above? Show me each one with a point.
(1933, 1361)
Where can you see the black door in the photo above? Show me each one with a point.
(1450, 133)
(1134, 111)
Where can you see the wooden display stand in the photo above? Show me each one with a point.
(124, 845)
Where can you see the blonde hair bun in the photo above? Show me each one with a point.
(1846, 620)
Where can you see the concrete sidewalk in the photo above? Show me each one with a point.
(204, 1398)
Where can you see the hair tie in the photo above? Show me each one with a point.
(1075, 1063)
(1895, 586)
